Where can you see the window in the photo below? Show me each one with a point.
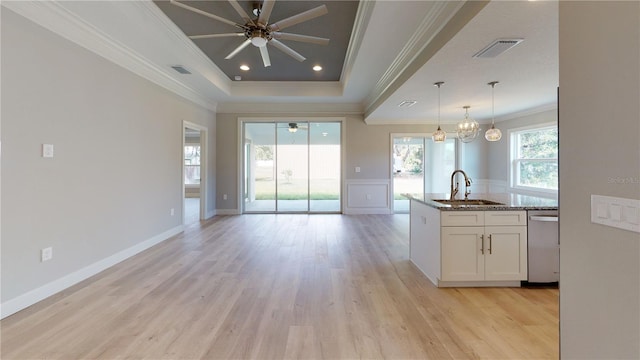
(534, 158)
(191, 164)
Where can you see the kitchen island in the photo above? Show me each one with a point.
(473, 243)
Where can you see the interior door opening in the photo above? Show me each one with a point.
(193, 191)
(292, 167)
(420, 167)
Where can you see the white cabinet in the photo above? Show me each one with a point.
(483, 245)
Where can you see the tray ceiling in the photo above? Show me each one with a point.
(336, 25)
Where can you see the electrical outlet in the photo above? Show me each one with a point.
(172, 211)
(368, 196)
(46, 254)
(224, 197)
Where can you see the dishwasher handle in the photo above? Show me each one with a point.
(549, 218)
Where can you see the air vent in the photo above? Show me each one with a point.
(497, 47)
(407, 103)
(180, 69)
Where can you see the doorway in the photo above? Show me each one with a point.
(419, 166)
(292, 166)
(194, 170)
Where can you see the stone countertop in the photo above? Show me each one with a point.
(508, 201)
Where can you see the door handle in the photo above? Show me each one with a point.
(482, 247)
(489, 244)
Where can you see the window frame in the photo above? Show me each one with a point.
(514, 160)
(185, 165)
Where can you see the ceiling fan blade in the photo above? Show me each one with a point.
(287, 50)
(265, 11)
(198, 11)
(265, 56)
(238, 49)
(195, 37)
(243, 14)
(301, 38)
(296, 19)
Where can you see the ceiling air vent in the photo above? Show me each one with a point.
(407, 103)
(497, 47)
(180, 69)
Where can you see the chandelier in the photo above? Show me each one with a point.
(468, 129)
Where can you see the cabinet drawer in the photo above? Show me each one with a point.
(462, 218)
(505, 218)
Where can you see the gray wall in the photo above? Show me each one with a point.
(498, 152)
(110, 129)
(474, 157)
(599, 126)
(367, 146)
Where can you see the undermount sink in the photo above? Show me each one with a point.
(467, 202)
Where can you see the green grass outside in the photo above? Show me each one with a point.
(296, 189)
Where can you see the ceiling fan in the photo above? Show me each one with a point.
(259, 32)
(294, 127)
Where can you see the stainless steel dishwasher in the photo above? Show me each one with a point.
(543, 247)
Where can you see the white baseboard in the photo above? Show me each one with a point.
(367, 211)
(25, 300)
(228, 212)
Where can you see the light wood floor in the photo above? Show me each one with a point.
(283, 286)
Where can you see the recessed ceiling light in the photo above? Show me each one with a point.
(244, 68)
(317, 68)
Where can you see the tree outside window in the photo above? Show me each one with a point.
(535, 158)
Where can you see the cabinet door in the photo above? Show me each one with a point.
(462, 258)
(505, 253)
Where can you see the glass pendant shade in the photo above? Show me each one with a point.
(493, 134)
(439, 135)
(468, 129)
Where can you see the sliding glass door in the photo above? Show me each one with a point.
(420, 167)
(291, 167)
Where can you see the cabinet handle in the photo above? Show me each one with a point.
(489, 244)
(482, 247)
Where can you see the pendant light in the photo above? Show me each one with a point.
(439, 135)
(493, 134)
(467, 129)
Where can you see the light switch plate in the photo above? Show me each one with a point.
(616, 212)
(47, 150)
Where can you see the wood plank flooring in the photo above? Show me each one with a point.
(283, 287)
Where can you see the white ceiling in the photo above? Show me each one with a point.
(387, 47)
(528, 73)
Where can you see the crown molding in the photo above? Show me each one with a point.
(266, 89)
(55, 17)
(442, 23)
(198, 60)
(437, 17)
(365, 9)
(296, 109)
(528, 112)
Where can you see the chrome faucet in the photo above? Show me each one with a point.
(467, 184)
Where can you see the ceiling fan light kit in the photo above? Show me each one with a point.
(259, 32)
